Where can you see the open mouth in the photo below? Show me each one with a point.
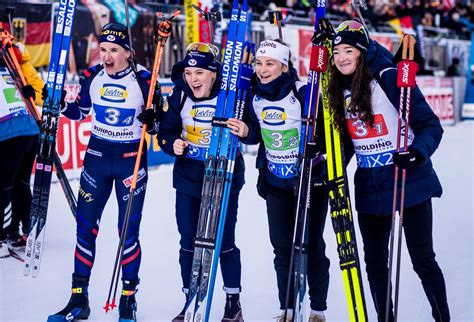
(109, 64)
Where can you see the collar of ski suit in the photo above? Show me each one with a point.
(122, 73)
(276, 89)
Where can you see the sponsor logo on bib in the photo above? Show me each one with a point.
(113, 93)
(273, 115)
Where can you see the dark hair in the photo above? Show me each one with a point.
(361, 94)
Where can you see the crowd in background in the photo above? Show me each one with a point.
(455, 15)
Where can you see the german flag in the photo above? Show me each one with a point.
(31, 27)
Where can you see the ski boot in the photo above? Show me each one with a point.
(179, 317)
(4, 252)
(288, 318)
(233, 310)
(316, 318)
(128, 304)
(78, 306)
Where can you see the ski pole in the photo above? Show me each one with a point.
(163, 33)
(210, 17)
(275, 17)
(357, 4)
(406, 80)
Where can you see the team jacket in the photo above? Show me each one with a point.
(374, 147)
(189, 118)
(116, 100)
(274, 112)
(15, 119)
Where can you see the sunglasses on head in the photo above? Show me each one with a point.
(203, 48)
(352, 25)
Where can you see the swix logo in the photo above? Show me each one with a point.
(321, 59)
(405, 72)
(203, 113)
(273, 115)
(113, 93)
(321, 3)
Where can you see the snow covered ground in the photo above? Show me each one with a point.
(159, 299)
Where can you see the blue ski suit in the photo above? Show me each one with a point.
(116, 100)
(188, 118)
(374, 183)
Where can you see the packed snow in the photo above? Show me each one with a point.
(159, 298)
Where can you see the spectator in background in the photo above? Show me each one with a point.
(454, 68)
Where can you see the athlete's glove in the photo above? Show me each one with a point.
(313, 149)
(62, 102)
(28, 92)
(406, 159)
(157, 97)
(148, 117)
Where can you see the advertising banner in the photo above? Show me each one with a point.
(439, 92)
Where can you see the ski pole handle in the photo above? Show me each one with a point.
(407, 67)
(275, 17)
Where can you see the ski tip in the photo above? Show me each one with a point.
(235, 5)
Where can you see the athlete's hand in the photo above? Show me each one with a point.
(406, 159)
(62, 102)
(238, 127)
(179, 146)
(28, 91)
(148, 117)
(44, 93)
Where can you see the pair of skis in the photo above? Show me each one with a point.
(46, 154)
(341, 213)
(219, 166)
(340, 204)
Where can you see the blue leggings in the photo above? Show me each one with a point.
(106, 164)
(187, 215)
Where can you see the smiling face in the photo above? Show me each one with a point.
(114, 57)
(200, 81)
(269, 69)
(345, 58)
